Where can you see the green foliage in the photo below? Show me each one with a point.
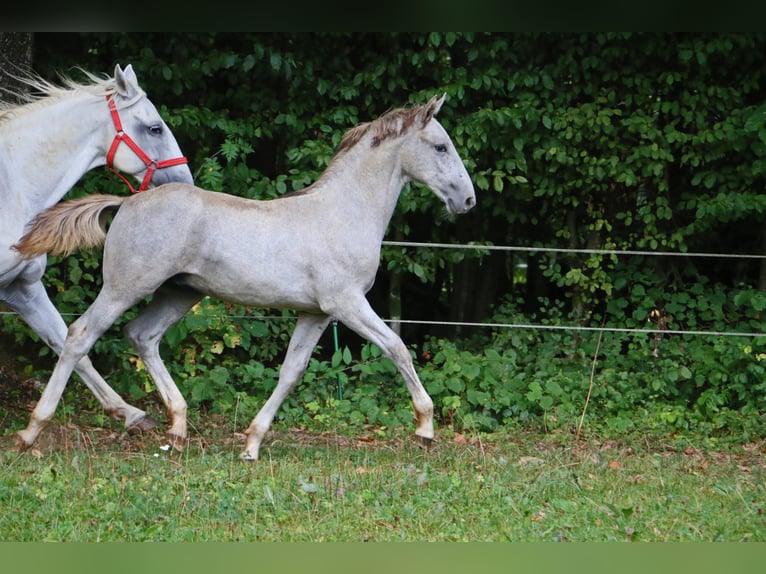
(585, 141)
(697, 383)
(603, 140)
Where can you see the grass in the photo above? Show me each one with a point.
(98, 484)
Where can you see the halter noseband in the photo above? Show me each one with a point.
(121, 136)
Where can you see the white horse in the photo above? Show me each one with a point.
(46, 145)
(315, 251)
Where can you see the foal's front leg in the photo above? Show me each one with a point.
(357, 315)
(305, 337)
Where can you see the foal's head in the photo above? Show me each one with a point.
(429, 157)
(427, 153)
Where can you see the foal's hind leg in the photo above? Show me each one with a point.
(360, 317)
(145, 332)
(81, 337)
(305, 337)
(34, 306)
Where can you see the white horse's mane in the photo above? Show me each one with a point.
(43, 92)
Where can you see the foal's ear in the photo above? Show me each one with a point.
(126, 81)
(432, 108)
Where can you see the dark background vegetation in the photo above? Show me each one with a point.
(643, 141)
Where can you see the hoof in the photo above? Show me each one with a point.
(246, 456)
(425, 442)
(177, 442)
(145, 423)
(21, 444)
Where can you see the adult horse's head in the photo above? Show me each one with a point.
(139, 143)
(431, 159)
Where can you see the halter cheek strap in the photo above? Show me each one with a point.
(120, 137)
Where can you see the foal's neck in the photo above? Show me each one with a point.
(368, 183)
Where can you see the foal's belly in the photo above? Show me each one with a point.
(257, 294)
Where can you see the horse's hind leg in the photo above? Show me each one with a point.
(34, 306)
(305, 337)
(81, 337)
(360, 317)
(145, 332)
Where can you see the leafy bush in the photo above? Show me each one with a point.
(606, 140)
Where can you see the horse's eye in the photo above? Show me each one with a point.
(441, 148)
(155, 130)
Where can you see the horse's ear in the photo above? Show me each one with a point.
(126, 81)
(432, 108)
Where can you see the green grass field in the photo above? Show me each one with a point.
(98, 484)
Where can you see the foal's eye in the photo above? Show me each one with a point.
(441, 148)
(155, 130)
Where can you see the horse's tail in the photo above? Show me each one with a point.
(68, 226)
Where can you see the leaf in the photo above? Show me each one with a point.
(217, 347)
(470, 370)
(419, 271)
(276, 61)
(454, 384)
(219, 375)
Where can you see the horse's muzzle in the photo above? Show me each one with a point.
(459, 207)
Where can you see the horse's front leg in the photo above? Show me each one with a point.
(33, 305)
(302, 342)
(357, 314)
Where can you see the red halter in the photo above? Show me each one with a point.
(151, 165)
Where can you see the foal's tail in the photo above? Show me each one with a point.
(68, 226)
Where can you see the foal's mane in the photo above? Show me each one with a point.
(41, 92)
(392, 123)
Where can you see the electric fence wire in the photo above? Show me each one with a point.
(522, 326)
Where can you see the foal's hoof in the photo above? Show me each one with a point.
(177, 442)
(247, 456)
(21, 444)
(145, 423)
(425, 442)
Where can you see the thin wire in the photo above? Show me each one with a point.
(537, 326)
(563, 250)
(576, 328)
(511, 326)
